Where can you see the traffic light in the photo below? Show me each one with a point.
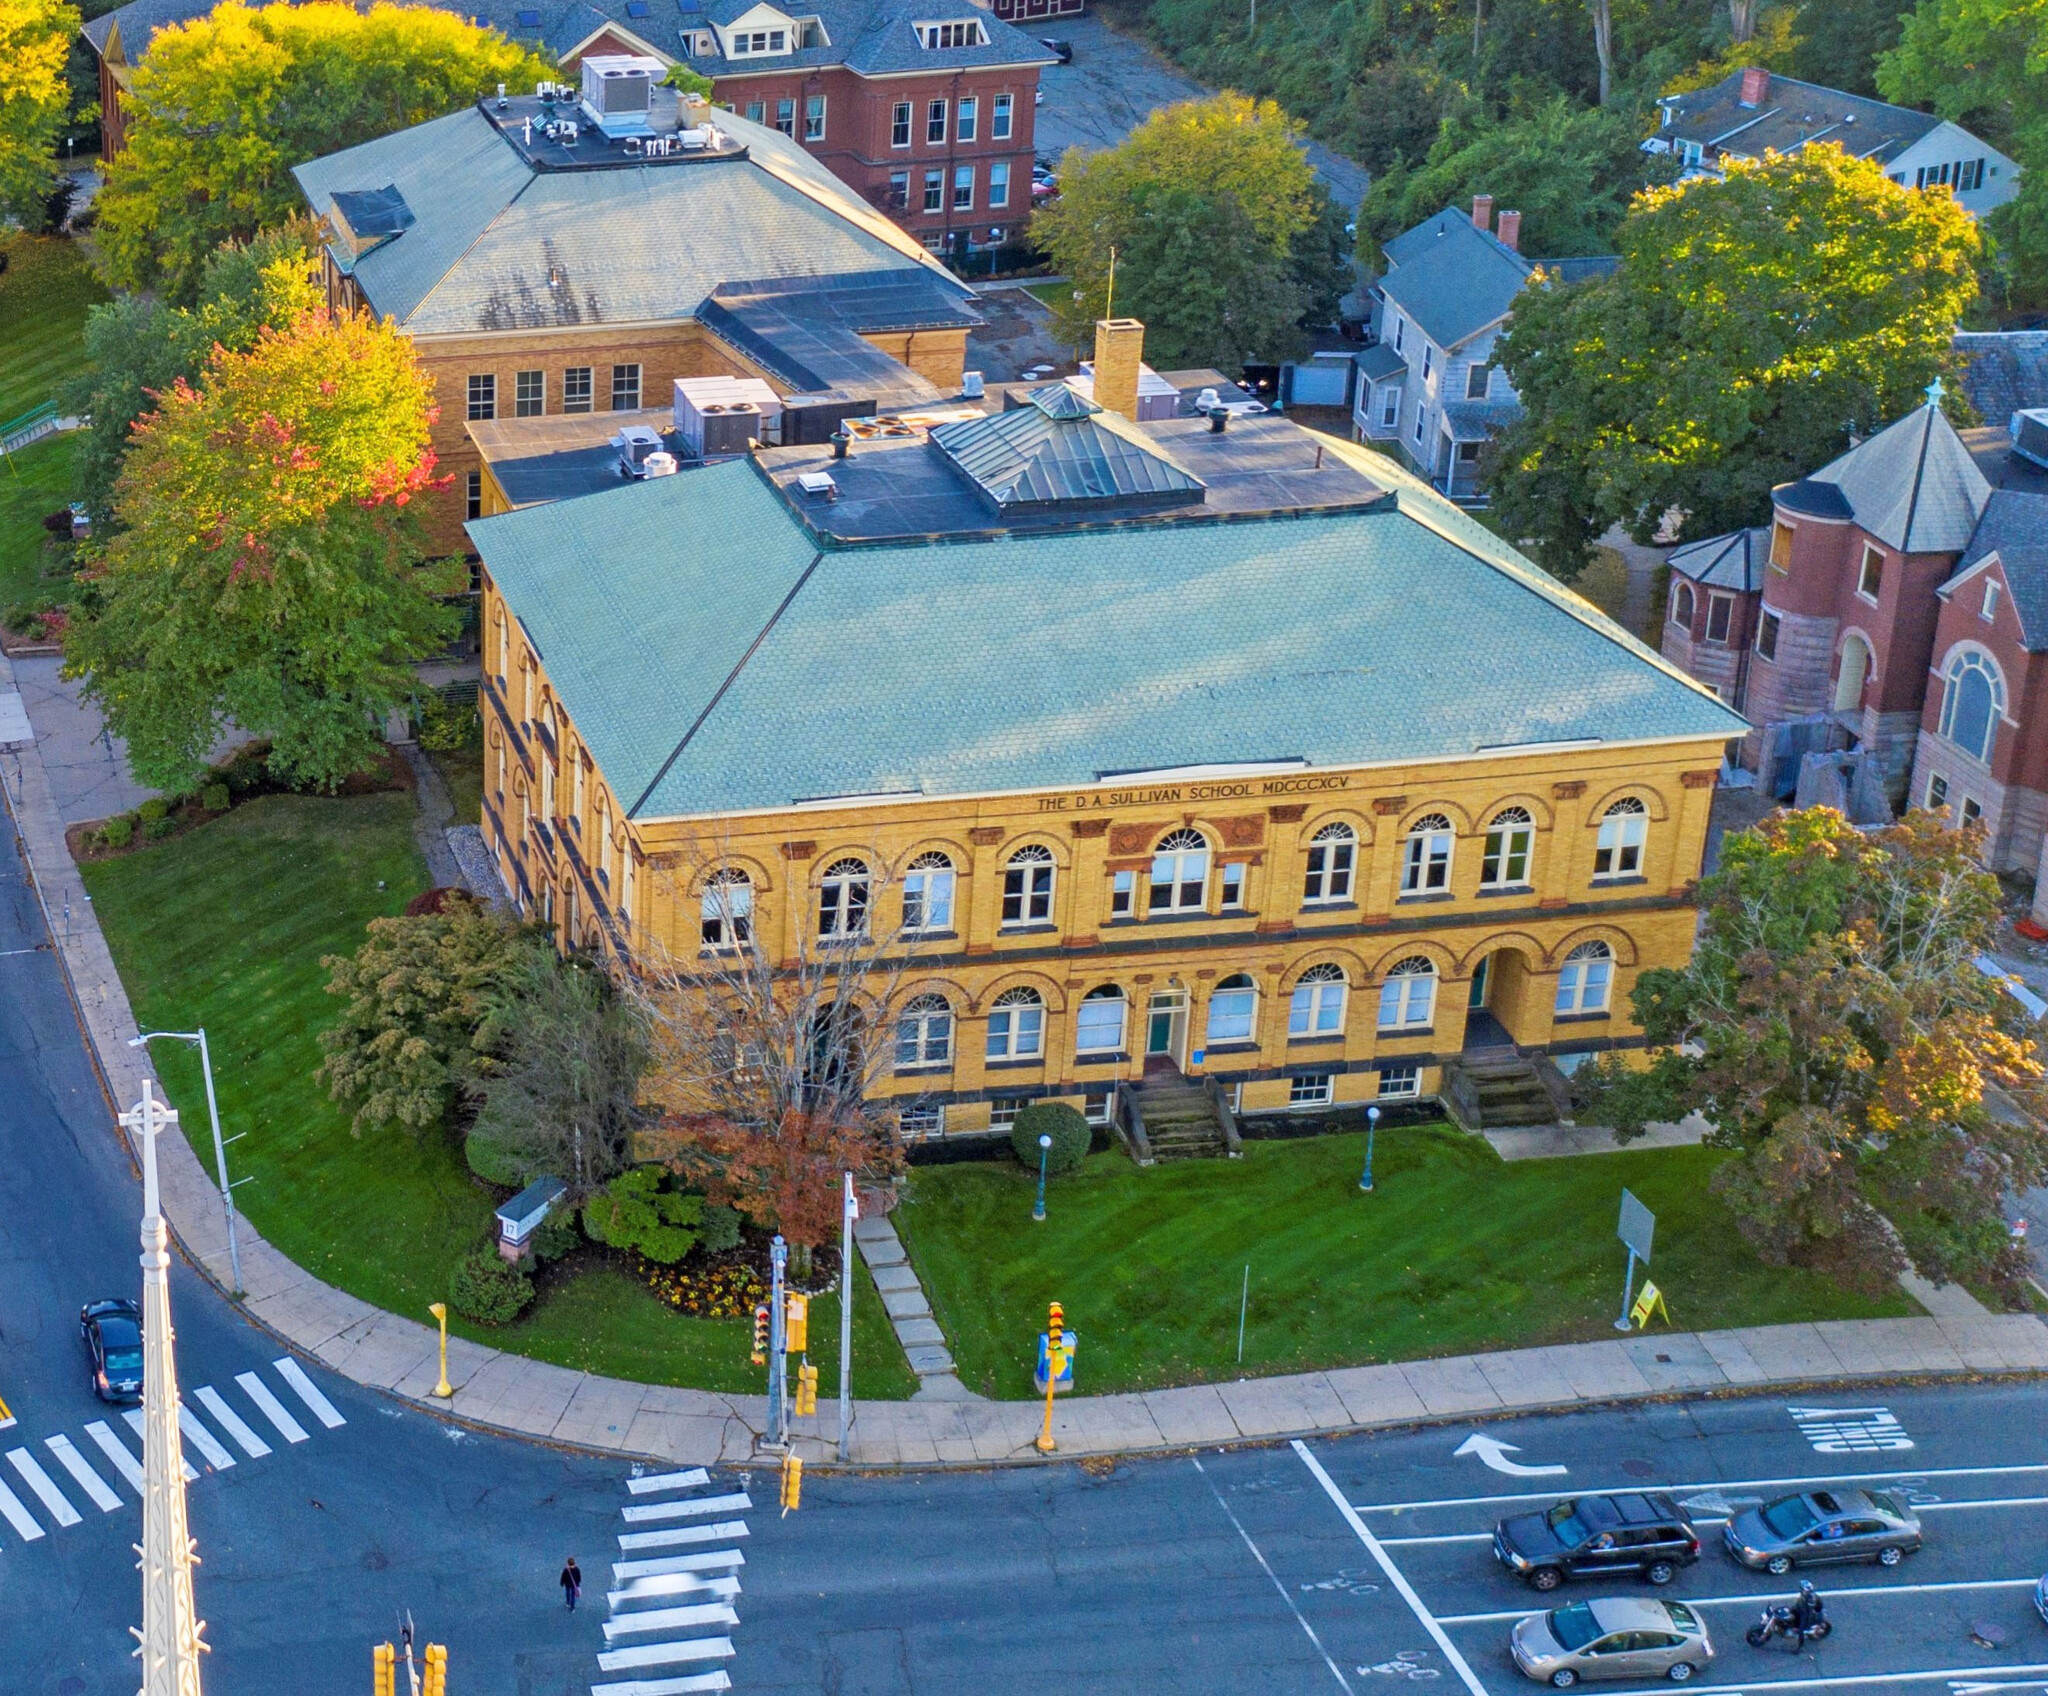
(384, 1670)
(761, 1335)
(796, 1324)
(1055, 1328)
(436, 1682)
(806, 1389)
(792, 1481)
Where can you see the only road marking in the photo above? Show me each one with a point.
(1494, 1453)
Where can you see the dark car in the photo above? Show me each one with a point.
(1639, 1532)
(1823, 1525)
(1063, 50)
(113, 1338)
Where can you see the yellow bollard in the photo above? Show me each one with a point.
(444, 1389)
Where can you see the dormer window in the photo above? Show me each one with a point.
(751, 43)
(966, 33)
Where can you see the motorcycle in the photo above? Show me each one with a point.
(1784, 1622)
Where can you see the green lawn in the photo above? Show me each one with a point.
(1454, 1252)
(33, 484)
(224, 927)
(44, 294)
(1052, 294)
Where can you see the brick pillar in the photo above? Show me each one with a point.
(1119, 345)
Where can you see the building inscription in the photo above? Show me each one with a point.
(1101, 800)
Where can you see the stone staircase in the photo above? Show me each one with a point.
(1509, 1090)
(1180, 1118)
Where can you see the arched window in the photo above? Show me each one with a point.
(924, 1033)
(1973, 697)
(504, 646)
(1233, 1009)
(1508, 840)
(1099, 1029)
(727, 908)
(843, 899)
(1585, 978)
(1027, 887)
(1408, 997)
(1180, 873)
(1318, 1005)
(1331, 853)
(1619, 852)
(1681, 605)
(928, 893)
(1016, 1026)
(1426, 865)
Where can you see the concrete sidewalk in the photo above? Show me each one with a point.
(531, 1398)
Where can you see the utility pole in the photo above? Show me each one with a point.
(850, 1210)
(778, 1424)
(170, 1634)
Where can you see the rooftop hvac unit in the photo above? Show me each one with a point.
(699, 399)
(2030, 436)
(636, 443)
(728, 429)
(972, 386)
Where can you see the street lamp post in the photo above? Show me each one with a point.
(220, 1153)
(1044, 1154)
(1372, 1126)
(439, 1310)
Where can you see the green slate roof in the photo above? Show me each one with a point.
(716, 662)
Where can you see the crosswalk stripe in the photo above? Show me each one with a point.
(737, 1502)
(88, 1480)
(714, 1560)
(676, 1536)
(134, 1417)
(668, 1481)
(232, 1422)
(323, 1410)
(273, 1410)
(44, 1486)
(116, 1451)
(690, 1686)
(671, 1619)
(671, 1584)
(203, 1440)
(18, 1516)
(665, 1654)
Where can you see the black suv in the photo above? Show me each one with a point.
(1640, 1533)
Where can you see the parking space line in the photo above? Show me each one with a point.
(1453, 1537)
(1393, 1572)
(1300, 1619)
(1761, 1597)
(1721, 1484)
(1843, 1681)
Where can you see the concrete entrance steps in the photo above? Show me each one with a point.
(910, 1313)
(1509, 1091)
(1180, 1119)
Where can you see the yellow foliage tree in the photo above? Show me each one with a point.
(35, 39)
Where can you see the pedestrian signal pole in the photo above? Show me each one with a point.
(778, 1425)
(850, 1211)
(1055, 1358)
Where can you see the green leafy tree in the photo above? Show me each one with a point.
(1234, 170)
(425, 1000)
(267, 571)
(1753, 324)
(634, 1211)
(226, 104)
(35, 101)
(1835, 1030)
(1839, 42)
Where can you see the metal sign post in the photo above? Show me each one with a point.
(850, 1207)
(1637, 1227)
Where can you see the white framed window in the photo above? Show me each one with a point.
(921, 1123)
(576, 388)
(966, 33)
(1988, 608)
(1419, 410)
(1584, 979)
(483, 396)
(928, 893)
(1317, 1008)
(1972, 699)
(1870, 574)
(1509, 839)
(726, 909)
(999, 117)
(1122, 888)
(1428, 363)
(814, 117)
(1972, 810)
(1003, 1114)
(1397, 1081)
(1332, 853)
(757, 112)
(843, 899)
(529, 394)
(625, 388)
(1098, 1106)
(1233, 1009)
(935, 124)
(1426, 857)
(963, 188)
(1180, 873)
(1233, 887)
(1027, 887)
(1408, 997)
(1310, 1089)
(1390, 408)
(1016, 1026)
(1400, 329)
(935, 192)
(899, 124)
(966, 114)
(924, 1033)
(999, 182)
(1619, 850)
(785, 115)
(1099, 1026)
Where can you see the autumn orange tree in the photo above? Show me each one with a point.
(267, 571)
(1880, 1094)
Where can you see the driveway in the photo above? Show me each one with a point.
(1116, 82)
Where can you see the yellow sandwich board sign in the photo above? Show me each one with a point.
(1650, 1301)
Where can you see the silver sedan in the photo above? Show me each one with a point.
(1823, 1525)
(1612, 1637)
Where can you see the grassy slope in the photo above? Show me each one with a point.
(1455, 1252)
(33, 483)
(44, 294)
(225, 927)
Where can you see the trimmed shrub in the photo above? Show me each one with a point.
(718, 1230)
(487, 1290)
(492, 1159)
(557, 1234)
(155, 830)
(214, 797)
(1069, 1131)
(118, 831)
(153, 809)
(632, 1211)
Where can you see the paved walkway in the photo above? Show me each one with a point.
(555, 1404)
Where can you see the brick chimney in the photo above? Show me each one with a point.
(1756, 84)
(1119, 346)
(1482, 211)
(1510, 231)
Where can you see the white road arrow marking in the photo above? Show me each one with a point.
(1494, 1453)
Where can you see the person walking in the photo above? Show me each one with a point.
(571, 1582)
